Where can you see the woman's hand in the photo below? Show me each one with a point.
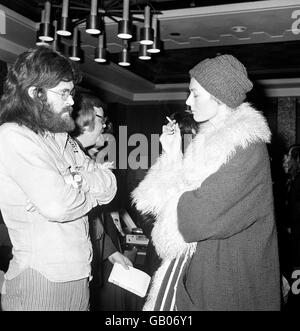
(170, 139)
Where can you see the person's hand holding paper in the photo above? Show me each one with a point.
(131, 279)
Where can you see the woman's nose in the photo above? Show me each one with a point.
(188, 101)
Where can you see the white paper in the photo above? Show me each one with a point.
(132, 279)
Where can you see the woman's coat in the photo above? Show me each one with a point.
(215, 228)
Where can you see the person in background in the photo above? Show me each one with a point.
(291, 166)
(48, 185)
(214, 228)
(91, 123)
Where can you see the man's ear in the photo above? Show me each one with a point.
(32, 92)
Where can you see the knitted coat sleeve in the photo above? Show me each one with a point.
(230, 200)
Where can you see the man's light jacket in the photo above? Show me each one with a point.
(53, 236)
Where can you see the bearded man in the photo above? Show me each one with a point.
(48, 185)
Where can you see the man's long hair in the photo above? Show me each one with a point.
(42, 68)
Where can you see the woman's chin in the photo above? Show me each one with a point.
(198, 118)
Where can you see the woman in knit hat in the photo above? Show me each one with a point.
(214, 229)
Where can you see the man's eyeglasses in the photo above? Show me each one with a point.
(65, 94)
(103, 119)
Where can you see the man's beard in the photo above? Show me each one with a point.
(57, 122)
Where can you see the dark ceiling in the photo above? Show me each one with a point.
(277, 60)
(32, 8)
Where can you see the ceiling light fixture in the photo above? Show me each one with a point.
(125, 26)
(155, 47)
(46, 29)
(95, 25)
(56, 46)
(40, 42)
(124, 60)
(239, 28)
(143, 55)
(100, 51)
(93, 21)
(147, 32)
(64, 25)
(75, 50)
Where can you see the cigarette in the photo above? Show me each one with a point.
(168, 118)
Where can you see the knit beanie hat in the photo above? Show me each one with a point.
(224, 77)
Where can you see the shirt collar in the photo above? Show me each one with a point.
(61, 138)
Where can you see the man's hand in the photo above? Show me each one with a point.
(117, 257)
